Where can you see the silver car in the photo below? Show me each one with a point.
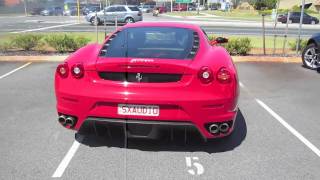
(121, 13)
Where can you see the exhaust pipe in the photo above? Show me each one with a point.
(70, 121)
(224, 127)
(62, 119)
(214, 128)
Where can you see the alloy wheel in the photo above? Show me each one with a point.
(311, 57)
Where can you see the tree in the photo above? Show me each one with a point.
(262, 4)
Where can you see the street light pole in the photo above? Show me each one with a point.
(171, 5)
(198, 10)
(300, 26)
(25, 7)
(78, 8)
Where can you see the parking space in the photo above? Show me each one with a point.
(34, 145)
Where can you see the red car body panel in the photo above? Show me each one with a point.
(188, 100)
(181, 7)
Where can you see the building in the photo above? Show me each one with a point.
(11, 2)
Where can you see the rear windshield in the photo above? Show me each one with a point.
(151, 42)
(134, 8)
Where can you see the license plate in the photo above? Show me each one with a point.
(138, 110)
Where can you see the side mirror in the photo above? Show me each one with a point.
(219, 40)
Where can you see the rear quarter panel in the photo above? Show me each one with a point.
(86, 55)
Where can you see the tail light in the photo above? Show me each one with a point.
(205, 75)
(139, 13)
(224, 76)
(77, 71)
(63, 70)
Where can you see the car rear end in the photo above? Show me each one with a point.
(282, 18)
(155, 79)
(135, 12)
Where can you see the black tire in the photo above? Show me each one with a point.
(92, 21)
(129, 20)
(310, 57)
(313, 22)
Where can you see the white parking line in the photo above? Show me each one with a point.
(44, 28)
(67, 158)
(7, 74)
(290, 128)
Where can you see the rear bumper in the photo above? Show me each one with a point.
(191, 114)
(198, 107)
(139, 128)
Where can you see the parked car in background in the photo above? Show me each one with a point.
(201, 8)
(146, 8)
(180, 7)
(294, 17)
(73, 11)
(36, 11)
(90, 9)
(53, 11)
(311, 53)
(150, 78)
(121, 13)
(192, 7)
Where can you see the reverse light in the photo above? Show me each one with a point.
(224, 76)
(205, 75)
(63, 70)
(77, 71)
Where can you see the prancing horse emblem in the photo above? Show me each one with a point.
(139, 77)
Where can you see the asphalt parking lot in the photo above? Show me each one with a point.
(276, 135)
(21, 24)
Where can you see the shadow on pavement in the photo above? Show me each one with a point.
(194, 142)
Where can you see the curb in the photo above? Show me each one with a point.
(236, 59)
(33, 58)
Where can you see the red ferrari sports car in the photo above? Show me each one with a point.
(150, 77)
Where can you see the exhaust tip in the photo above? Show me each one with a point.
(214, 128)
(62, 120)
(224, 127)
(70, 121)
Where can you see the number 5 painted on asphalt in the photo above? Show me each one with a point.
(199, 168)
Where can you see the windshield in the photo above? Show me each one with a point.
(151, 42)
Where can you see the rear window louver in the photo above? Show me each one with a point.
(103, 51)
(195, 46)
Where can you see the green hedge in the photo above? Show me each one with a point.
(26, 41)
(60, 42)
(237, 46)
(5, 46)
(65, 42)
(293, 45)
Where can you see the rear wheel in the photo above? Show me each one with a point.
(313, 22)
(310, 56)
(95, 21)
(129, 20)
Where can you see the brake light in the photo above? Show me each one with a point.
(224, 76)
(205, 75)
(77, 71)
(63, 70)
